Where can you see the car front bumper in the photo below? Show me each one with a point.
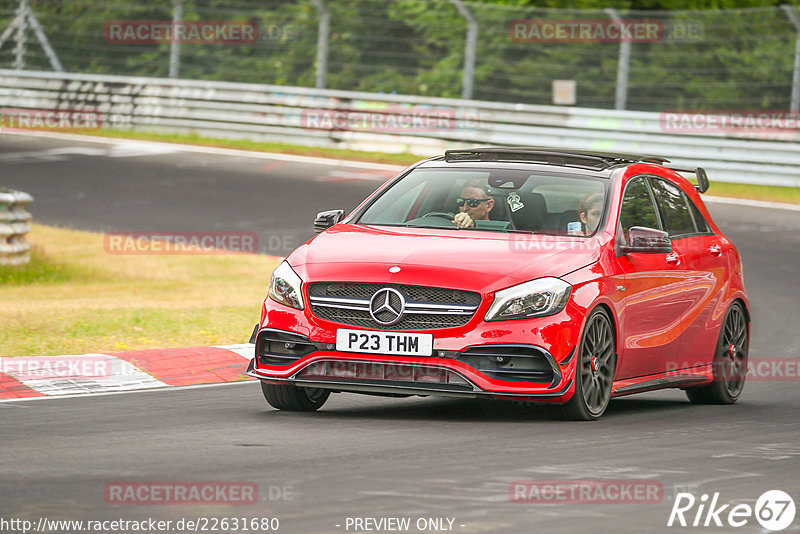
(523, 360)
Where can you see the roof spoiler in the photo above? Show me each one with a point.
(552, 156)
(702, 178)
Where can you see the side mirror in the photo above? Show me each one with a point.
(326, 219)
(702, 180)
(645, 241)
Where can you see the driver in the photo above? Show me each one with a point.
(474, 204)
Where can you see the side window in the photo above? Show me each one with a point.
(637, 207)
(699, 220)
(672, 203)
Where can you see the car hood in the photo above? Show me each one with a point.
(465, 259)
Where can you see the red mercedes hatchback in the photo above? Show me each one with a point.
(557, 276)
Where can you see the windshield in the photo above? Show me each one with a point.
(498, 200)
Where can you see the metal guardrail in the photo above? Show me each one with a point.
(280, 114)
(14, 224)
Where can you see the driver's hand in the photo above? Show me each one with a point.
(463, 220)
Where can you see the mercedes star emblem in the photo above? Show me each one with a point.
(387, 306)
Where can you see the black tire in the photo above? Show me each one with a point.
(730, 361)
(594, 374)
(294, 399)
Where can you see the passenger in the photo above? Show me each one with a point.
(474, 204)
(590, 210)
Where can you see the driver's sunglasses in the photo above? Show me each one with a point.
(471, 202)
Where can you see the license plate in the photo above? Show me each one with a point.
(373, 342)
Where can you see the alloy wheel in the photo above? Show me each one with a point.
(597, 367)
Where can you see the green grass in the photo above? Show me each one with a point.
(118, 330)
(767, 193)
(42, 269)
(74, 298)
(718, 187)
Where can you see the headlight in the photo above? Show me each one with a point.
(545, 296)
(284, 286)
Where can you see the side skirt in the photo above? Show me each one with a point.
(696, 376)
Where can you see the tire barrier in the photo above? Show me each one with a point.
(14, 224)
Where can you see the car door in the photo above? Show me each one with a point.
(654, 303)
(704, 264)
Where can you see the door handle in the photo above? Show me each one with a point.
(673, 258)
(716, 250)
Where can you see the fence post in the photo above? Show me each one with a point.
(25, 16)
(469, 49)
(175, 47)
(48, 50)
(794, 106)
(22, 34)
(14, 224)
(323, 31)
(623, 64)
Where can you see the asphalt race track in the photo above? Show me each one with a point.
(370, 457)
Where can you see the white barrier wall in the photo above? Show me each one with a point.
(758, 153)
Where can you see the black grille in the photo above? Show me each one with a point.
(416, 294)
(436, 295)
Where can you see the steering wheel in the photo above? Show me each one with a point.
(440, 215)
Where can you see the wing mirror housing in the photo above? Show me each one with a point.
(326, 219)
(702, 180)
(644, 241)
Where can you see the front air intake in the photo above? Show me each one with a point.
(276, 347)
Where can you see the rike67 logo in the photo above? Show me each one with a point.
(774, 511)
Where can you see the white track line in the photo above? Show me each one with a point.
(214, 150)
(73, 374)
